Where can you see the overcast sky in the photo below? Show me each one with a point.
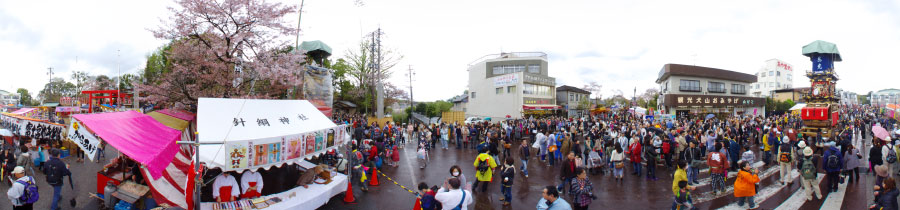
(619, 44)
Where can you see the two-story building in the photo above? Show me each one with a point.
(696, 91)
(574, 101)
(511, 84)
(9, 98)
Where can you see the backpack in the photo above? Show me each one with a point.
(833, 162)
(785, 155)
(483, 166)
(30, 194)
(666, 147)
(53, 176)
(892, 156)
(809, 169)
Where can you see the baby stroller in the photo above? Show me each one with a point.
(596, 163)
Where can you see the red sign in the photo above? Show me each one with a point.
(785, 66)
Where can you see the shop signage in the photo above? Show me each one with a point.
(527, 100)
(506, 80)
(32, 129)
(541, 80)
(785, 66)
(710, 100)
(84, 139)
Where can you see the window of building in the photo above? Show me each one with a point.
(716, 87)
(771, 73)
(738, 89)
(508, 69)
(534, 68)
(771, 84)
(499, 90)
(571, 96)
(541, 90)
(689, 85)
(511, 89)
(763, 74)
(473, 94)
(778, 85)
(778, 73)
(757, 85)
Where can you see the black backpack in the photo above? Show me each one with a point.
(833, 161)
(53, 176)
(483, 166)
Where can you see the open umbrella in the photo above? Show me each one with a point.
(4, 132)
(710, 116)
(880, 132)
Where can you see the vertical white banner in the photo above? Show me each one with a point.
(84, 139)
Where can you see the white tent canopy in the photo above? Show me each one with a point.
(239, 134)
(798, 106)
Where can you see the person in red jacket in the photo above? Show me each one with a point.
(718, 169)
(634, 152)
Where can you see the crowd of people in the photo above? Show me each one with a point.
(604, 143)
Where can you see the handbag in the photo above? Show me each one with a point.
(620, 165)
(552, 148)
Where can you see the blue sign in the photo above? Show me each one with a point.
(822, 62)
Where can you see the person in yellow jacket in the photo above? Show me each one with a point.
(681, 175)
(745, 185)
(484, 166)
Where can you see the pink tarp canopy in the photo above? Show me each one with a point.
(136, 135)
(23, 111)
(182, 115)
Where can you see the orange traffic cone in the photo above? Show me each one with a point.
(374, 181)
(418, 205)
(348, 196)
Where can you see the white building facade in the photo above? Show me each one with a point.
(7, 98)
(511, 84)
(774, 75)
(884, 97)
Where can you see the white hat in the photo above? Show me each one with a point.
(18, 170)
(785, 139)
(801, 144)
(807, 151)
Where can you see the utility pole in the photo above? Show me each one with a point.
(375, 64)
(411, 105)
(299, 15)
(119, 81)
(49, 90)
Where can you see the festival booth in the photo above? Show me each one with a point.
(236, 135)
(28, 112)
(143, 143)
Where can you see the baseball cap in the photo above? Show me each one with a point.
(18, 170)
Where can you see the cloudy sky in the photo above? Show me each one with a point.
(620, 44)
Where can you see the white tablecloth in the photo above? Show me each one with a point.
(306, 198)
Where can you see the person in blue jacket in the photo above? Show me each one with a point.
(833, 165)
(734, 152)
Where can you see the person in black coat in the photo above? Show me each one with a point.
(886, 195)
(875, 156)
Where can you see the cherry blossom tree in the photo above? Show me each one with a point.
(226, 48)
